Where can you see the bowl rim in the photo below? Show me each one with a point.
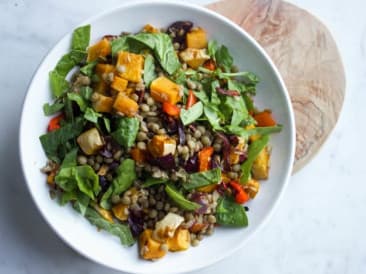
(292, 129)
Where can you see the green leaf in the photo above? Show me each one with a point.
(91, 115)
(149, 70)
(190, 115)
(87, 180)
(212, 48)
(86, 92)
(212, 116)
(223, 58)
(120, 230)
(238, 109)
(68, 61)
(104, 201)
(202, 96)
(215, 100)
(180, 200)
(82, 178)
(245, 133)
(52, 109)
(126, 131)
(82, 202)
(200, 179)
(70, 159)
(153, 181)
(126, 174)
(229, 213)
(81, 38)
(107, 124)
(119, 44)
(58, 84)
(78, 99)
(162, 47)
(54, 140)
(253, 151)
(88, 68)
(67, 196)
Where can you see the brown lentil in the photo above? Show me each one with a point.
(126, 200)
(195, 242)
(236, 168)
(115, 199)
(82, 160)
(141, 145)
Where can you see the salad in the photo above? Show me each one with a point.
(154, 136)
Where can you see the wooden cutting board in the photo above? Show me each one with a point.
(308, 59)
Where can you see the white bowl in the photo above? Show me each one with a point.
(104, 248)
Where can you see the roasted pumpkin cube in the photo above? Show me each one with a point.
(162, 145)
(235, 152)
(101, 103)
(196, 39)
(119, 84)
(194, 57)
(180, 241)
(162, 89)
(105, 72)
(100, 49)
(260, 169)
(120, 211)
(90, 141)
(149, 28)
(149, 248)
(252, 188)
(208, 188)
(125, 105)
(138, 154)
(130, 66)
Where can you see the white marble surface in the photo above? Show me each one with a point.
(319, 226)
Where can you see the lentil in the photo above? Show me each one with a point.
(82, 160)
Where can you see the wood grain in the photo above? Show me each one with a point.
(308, 59)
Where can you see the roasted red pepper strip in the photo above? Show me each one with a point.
(210, 64)
(204, 158)
(55, 122)
(171, 109)
(191, 100)
(240, 195)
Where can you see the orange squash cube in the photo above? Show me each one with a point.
(103, 72)
(100, 49)
(180, 241)
(101, 103)
(196, 39)
(125, 105)
(120, 211)
(130, 66)
(119, 84)
(164, 90)
(149, 248)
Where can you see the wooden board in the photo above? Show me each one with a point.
(306, 55)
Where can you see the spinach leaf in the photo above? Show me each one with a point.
(86, 92)
(238, 109)
(70, 159)
(190, 115)
(126, 131)
(78, 99)
(253, 151)
(120, 230)
(162, 46)
(119, 44)
(81, 38)
(91, 115)
(104, 201)
(245, 133)
(199, 179)
(212, 48)
(223, 58)
(180, 200)
(88, 68)
(68, 61)
(229, 213)
(149, 70)
(67, 196)
(154, 181)
(52, 109)
(54, 140)
(82, 178)
(82, 202)
(107, 124)
(202, 96)
(58, 84)
(125, 176)
(212, 114)
(215, 100)
(87, 180)
(248, 102)
(249, 77)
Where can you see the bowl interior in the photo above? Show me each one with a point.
(105, 248)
